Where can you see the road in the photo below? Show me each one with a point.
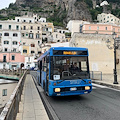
(102, 103)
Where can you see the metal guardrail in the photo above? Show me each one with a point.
(96, 75)
(11, 108)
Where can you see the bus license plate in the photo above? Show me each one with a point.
(73, 89)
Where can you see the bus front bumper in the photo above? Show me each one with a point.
(67, 91)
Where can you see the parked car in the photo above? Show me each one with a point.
(35, 69)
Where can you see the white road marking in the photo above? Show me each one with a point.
(93, 87)
(100, 86)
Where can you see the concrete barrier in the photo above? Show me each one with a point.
(11, 108)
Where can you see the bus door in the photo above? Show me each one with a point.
(40, 71)
(47, 73)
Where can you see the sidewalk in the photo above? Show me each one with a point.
(31, 106)
(108, 83)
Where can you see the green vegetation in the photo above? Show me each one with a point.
(68, 34)
(95, 12)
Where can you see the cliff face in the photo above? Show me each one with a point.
(65, 9)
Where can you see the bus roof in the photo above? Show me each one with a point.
(62, 48)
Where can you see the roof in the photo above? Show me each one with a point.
(4, 81)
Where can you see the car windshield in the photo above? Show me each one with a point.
(64, 68)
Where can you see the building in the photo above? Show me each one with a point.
(101, 28)
(11, 60)
(10, 36)
(108, 18)
(47, 46)
(31, 37)
(101, 52)
(76, 26)
(30, 61)
(6, 89)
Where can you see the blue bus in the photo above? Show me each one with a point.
(64, 71)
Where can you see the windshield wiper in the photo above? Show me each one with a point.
(82, 79)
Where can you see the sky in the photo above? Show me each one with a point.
(5, 3)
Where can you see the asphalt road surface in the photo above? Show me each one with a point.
(102, 103)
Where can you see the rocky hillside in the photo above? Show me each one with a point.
(61, 11)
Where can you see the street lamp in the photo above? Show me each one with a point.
(115, 72)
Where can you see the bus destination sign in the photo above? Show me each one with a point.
(62, 52)
(69, 53)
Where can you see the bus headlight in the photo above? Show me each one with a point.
(57, 89)
(87, 88)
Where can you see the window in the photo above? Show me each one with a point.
(31, 27)
(39, 52)
(5, 49)
(0, 26)
(106, 28)
(56, 35)
(31, 35)
(32, 45)
(111, 19)
(97, 27)
(38, 42)
(22, 34)
(6, 42)
(38, 28)
(15, 34)
(17, 20)
(24, 27)
(30, 21)
(17, 27)
(0, 34)
(32, 52)
(15, 42)
(13, 57)
(4, 58)
(89, 27)
(24, 20)
(24, 51)
(4, 92)
(46, 29)
(26, 34)
(9, 27)
(14, 49)
(37, 35)
(6, 34)
(24, 43)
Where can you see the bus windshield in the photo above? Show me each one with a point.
(69, 68)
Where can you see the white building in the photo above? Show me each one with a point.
(10, 36)
(28, 19)
(108, 18)
(30, 62)
(76, 26)
(58, 44)
(58, 37)
(6, 89)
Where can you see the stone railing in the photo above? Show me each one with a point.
(11, 108)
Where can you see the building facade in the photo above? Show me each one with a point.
(101, 52)
(10, 36)
(108, 18)
(11, 60)
(76, 26)
(101, 29)
(6, 89)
